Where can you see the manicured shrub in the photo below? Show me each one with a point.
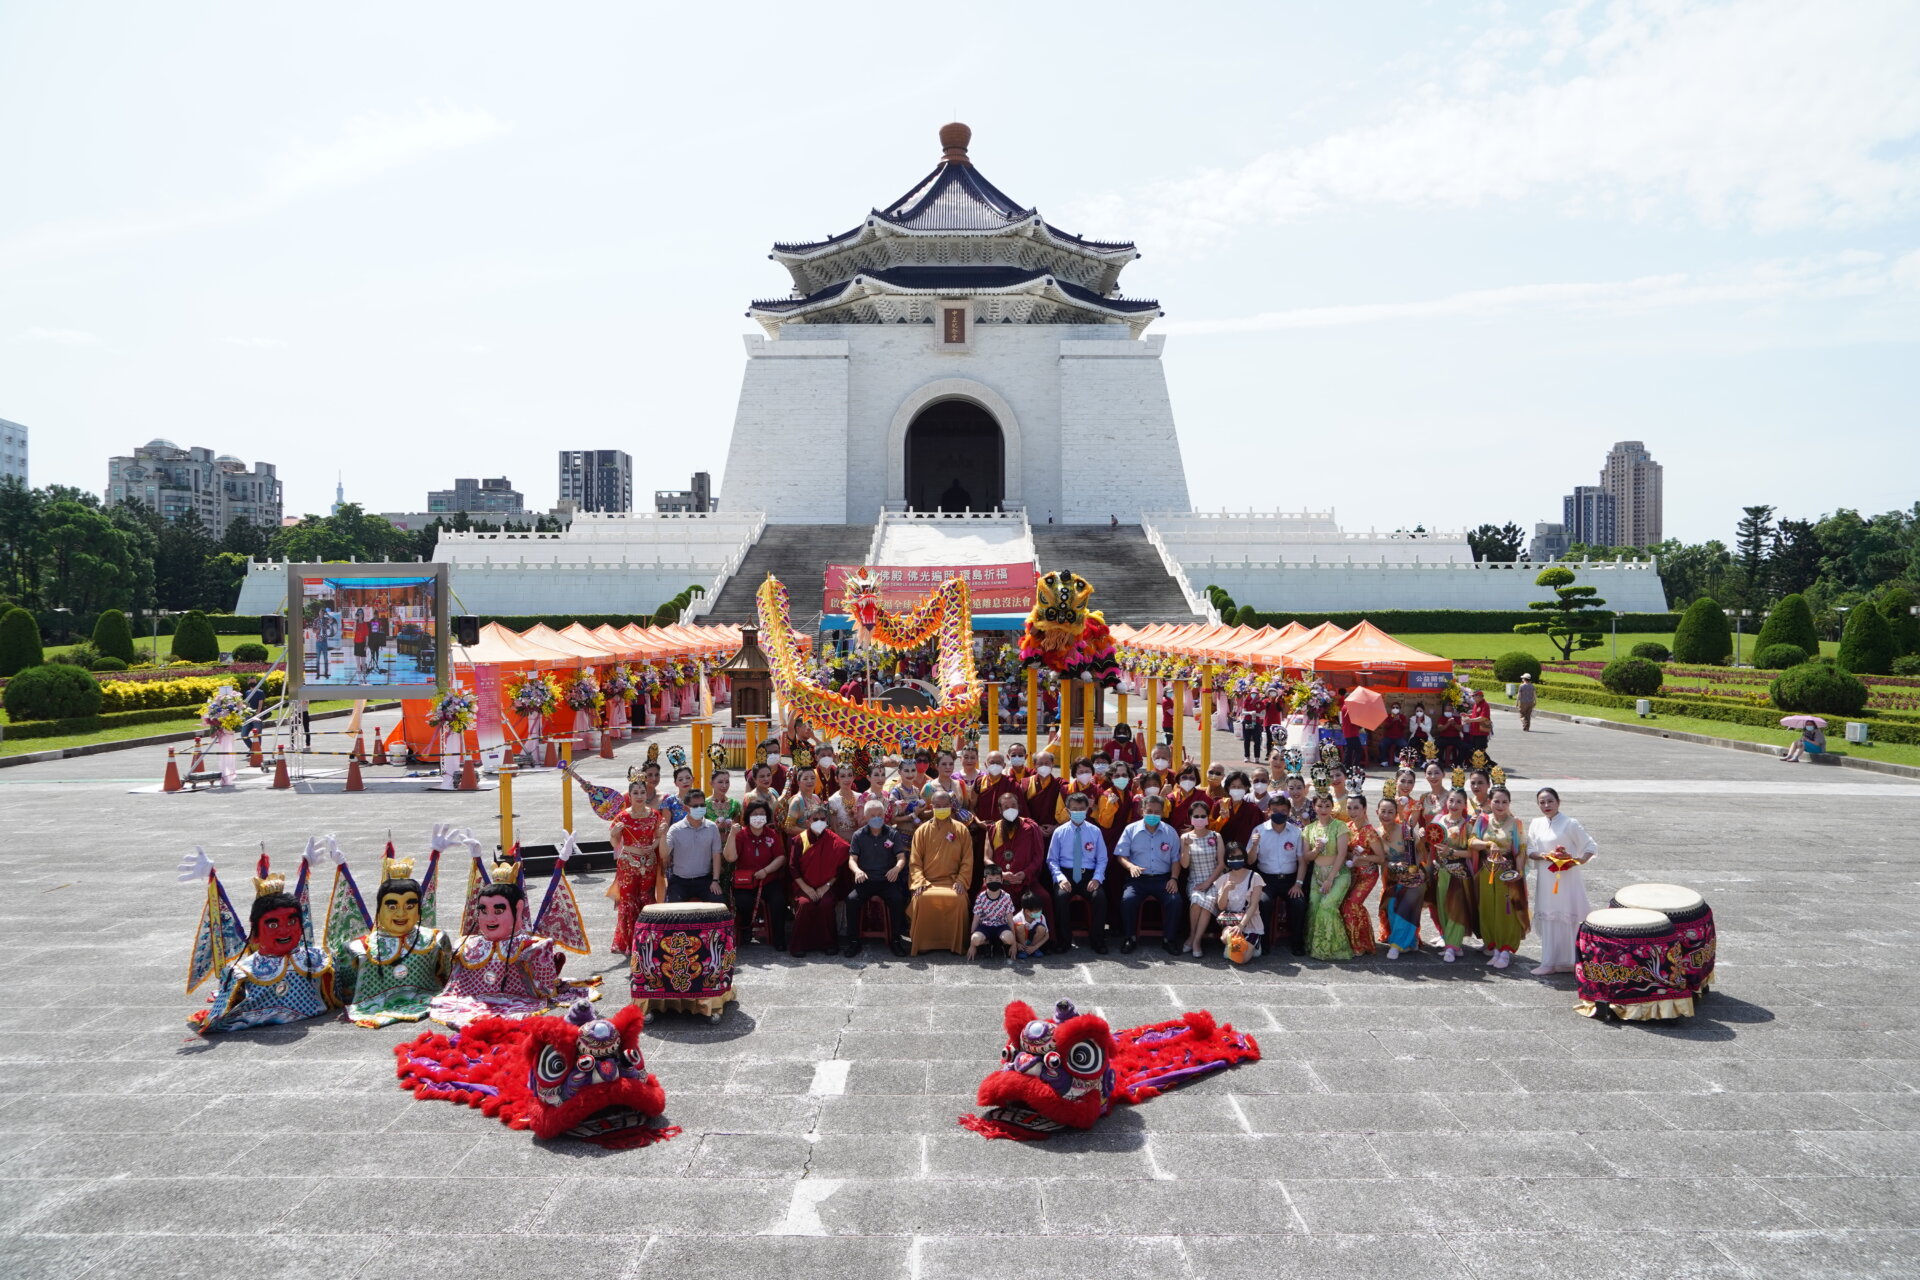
(249, 652)
(1510, 666)
(52, 692)
(1790, 621)
(19, 642)
(1866, 646)
(1778, 657)
(106, 664)
(1634, 677)
(667, 614)
(113, 637)
(1703, 635)
(195, 641)
(1818, 688)
(1896, 606)
(1245, 616)
(1909, 665)
(1652, 651)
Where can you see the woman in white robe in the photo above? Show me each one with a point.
(1559, 897)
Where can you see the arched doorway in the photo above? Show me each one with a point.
(955, 459)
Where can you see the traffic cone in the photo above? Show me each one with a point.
(379, 748)
(359, 751)
(172, 780)
(553, 754)
(606, 744)
(353, 774)
(253, 754)
(280, 782)
(469, 780)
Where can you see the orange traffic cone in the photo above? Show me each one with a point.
(469, 780)
(359, 751)
(353, 774)
(172, 780)
(606, 744)
(379, 748)
(253, 754)
(280, 782)
(553, 754)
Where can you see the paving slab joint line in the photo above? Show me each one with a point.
(1731, 744)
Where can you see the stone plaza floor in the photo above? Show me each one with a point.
(1410, 1119)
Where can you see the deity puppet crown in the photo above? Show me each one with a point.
(505, 871)
(266, 880)
(396, 869)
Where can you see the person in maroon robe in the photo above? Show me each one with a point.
(819, 856)
(1017, 853)
(996, 782)
(1123, 747)
(1236, 817)
(1043, 793)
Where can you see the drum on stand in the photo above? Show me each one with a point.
(1692, 918)
(1628, 962)
(682, 957)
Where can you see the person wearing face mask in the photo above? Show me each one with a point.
(1123, 747)
(1077, 857)
(1250, 732)
(819, 856)
(1186, 789)
(693, 854)
(1149, 850)
(1234, 902)
(1113, 810)
(1162, 763)
(758, 854)
(1202, 853)
(1017, 766)
(996, 787)
(1084, 782)
(1017, 853)
(1275, 850)
(940, 867)
(879, 874)
(1043, 793)
(1392, 735)
(1236, 815)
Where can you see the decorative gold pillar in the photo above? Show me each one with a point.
(993, 715)
(1206, 718)
(1033, 714)
(1179, 725)
(566, 789)
(506, 804)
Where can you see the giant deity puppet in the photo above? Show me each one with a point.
(392, 962)
(507, 961)
(269, 970)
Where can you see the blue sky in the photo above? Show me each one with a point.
(1427, 262)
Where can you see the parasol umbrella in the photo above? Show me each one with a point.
(1801, 722)
(1366, 708)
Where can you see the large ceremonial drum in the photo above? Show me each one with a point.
(1628, 962)
(1692, 918)
(683, 950)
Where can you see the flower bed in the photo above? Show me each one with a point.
(1899, 695)
(187, 691)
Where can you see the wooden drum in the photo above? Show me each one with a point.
(1628, 962)
(1692, 918)
(683, 956)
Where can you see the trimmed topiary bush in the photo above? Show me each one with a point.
(667, 614)
(52, 692)
(1896, 606)
(19, 642)
(1652, 651)
(194, 640)
(1790, 621)
(249, 652)
(1634, 677)
(1866, 646)
(1908, 665)
(1704, 636)
(1778, 657)
(106, 664)
(113, 637)
(1510, 666)
(1818, 688)
(1245, 616)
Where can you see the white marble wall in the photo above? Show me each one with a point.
(1331, 588)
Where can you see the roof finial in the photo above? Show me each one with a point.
(953, 143)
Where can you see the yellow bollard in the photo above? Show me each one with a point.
(993, 715)
(1033, 714)
(1120, 714)
(506, 805)
(1089, 690)
(1206, 718)
(566, 788)
(1179, 725)
(756, 727)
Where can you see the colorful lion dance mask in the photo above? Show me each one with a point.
(1067, 1071)
(581, 1076)
(1064, 634)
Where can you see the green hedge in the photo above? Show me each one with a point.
(95, 724)
(1485, 622)
(1730, 712)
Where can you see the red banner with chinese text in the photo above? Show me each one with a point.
(996, 588)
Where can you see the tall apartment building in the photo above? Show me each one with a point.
(696, 497)
(479, 497)
(596, 479)
(1590, 515)
(13, 450)
(175, 481)
(1633, 478)
(1549, 542)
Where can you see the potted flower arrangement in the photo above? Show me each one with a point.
(533, 695)
(619, 689)
(224, 713)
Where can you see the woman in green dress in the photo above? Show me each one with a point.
(1329, 876)
(1501, 842)
(1449, 845)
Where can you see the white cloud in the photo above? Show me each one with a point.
(368, 146)
(1849, 274)
(1772, 113)
(63, 337)
(264, 344)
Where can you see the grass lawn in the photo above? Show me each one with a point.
(143, 645)
(1457, 645)
(25, 746)
(1892, 753)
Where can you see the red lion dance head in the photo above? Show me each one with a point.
(580, 1076)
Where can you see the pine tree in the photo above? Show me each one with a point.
(1752, 537)
(1896, 606)
(1574, 616)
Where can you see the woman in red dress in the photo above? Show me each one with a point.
(1367, 855)
(819, 856)
(639, 836)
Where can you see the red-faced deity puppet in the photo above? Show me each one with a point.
(860, 597)
(581, 1076)
(1067, 1071)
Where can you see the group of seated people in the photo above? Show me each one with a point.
(995, 855)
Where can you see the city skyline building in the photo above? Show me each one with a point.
(175, 481)
(13, 451)
(698, 496)
(1590, 516)
(596, 479)
(1634, 479)
(476, 497)
(1549, 542)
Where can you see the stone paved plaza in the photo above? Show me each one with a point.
(1410, 1120)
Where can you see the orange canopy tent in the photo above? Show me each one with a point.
(1375, 657)
(498, 647)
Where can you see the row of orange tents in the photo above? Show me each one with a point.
(563, 652)
(1362, 649)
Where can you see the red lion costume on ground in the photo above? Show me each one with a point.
(580, 1076)
(1067, 1071)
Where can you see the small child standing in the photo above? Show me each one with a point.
(992, 912)
(1029, 928)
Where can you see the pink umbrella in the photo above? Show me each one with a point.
(1366, 708)
(1801, 722)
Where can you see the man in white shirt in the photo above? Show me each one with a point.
(1274, 849)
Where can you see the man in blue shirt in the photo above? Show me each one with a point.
(1077, 856)
(1150, 851)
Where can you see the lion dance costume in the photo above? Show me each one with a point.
(1064, 635)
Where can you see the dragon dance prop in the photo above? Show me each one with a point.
(945, 616)
(1067, 1071)
(1064, 635)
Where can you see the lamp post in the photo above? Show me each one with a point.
(66, 629)
(1739, 616)
(1843, 610)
